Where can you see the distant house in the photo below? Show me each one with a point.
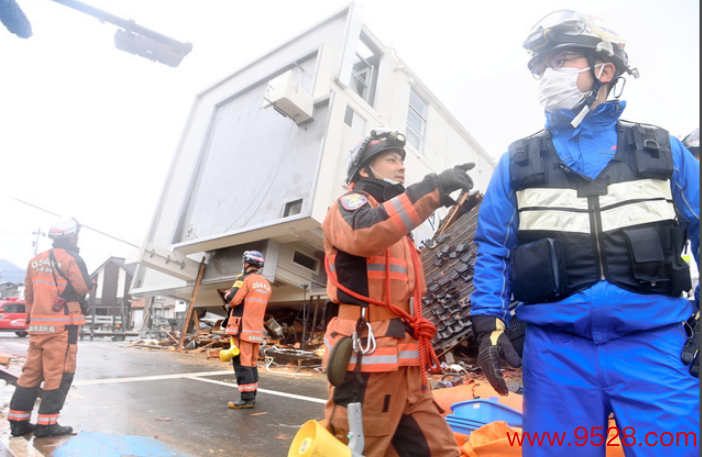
(11, 289)
(110, 304)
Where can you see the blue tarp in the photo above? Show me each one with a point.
(96, 444)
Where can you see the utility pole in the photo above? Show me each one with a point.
(38, 233)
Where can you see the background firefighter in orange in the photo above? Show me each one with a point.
(248, 298)
(55, 287)
(376, 276)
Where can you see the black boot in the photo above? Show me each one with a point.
(20, 428)
(241, 404)
(43, 431)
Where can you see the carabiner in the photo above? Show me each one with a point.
(357, 343)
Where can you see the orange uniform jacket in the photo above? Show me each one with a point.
(252, 293)
(357, 232)
(41, 291)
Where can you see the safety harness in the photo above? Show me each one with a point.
(422, 328)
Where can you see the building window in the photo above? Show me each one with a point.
(416, 120)
(364, 73)
(305, 261)
(353, 120)
(292, 208)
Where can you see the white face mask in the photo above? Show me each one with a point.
(388, 180)
(558, 89)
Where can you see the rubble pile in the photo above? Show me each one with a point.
(283, 342)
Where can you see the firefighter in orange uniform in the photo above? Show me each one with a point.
(248, 298)
(56, 283)
(375, 275)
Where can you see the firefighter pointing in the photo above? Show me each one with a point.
(55, 287)
(584, 223)
(378, 346)
(248, 298)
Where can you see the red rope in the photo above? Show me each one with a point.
(424, 330)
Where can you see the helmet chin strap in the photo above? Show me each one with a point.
(592, 96)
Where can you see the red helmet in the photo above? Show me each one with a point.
(63, 228)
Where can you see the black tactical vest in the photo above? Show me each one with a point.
(575, 231)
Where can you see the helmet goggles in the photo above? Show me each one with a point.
(570, 30)
(392, 138)
(564, 21)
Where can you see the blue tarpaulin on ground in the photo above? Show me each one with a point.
(96, 444)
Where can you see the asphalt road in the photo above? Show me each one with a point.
(121, 392)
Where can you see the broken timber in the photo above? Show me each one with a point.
(191, 307)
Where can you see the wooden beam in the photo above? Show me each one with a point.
(191, 306)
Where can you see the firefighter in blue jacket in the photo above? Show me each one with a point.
(584, 224)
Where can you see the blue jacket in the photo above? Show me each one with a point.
(604, 311)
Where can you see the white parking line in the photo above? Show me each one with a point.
(270, 392)
(195, 376)
(93, 382)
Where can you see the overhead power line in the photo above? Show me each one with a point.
(82, 225)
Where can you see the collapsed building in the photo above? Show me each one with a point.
(263, 156)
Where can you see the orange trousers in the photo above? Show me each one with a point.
(398, 419)
(51, 358)
(246, 368)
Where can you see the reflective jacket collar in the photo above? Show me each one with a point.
(381, 190)
(605, 114)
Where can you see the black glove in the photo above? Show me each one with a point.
(228, 312)
(691, 352)
(493, 342)
(453, 179)
(84, 305)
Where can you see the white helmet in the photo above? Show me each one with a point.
(63, 228)
(567, 30)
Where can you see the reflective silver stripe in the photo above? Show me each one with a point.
(51, 319)
(327, 344)
(550, 198)
(375, 359)
(381, 267)
(409, 354)
(642, 189)
(554, 221)
(397, 204)
(624, 215)
(332, 267)
(637, 213)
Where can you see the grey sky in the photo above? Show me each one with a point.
(90, 131)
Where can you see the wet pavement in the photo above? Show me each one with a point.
(122, 393)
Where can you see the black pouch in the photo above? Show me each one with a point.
(652, 156)
(646, 253)
(538, 271)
